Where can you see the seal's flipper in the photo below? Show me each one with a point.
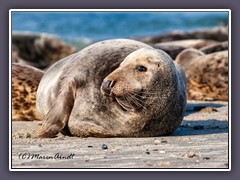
(58, 115)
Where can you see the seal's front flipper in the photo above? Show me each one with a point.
(58, 115)
(55, 120)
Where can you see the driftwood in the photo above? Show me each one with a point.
(215, 47)
(217, 34)
(172, 50)
(189, 43)
(39, 50)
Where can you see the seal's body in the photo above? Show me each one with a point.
(25, 80)
(207, 74)
(90, 94)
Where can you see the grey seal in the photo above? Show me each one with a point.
(112, 88)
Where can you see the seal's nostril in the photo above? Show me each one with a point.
(108, 83)
(106, 86)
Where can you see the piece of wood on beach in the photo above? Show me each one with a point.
(215, 47)
(173, 48)
(218, 34)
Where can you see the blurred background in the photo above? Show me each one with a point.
(83, 28)
(198, 41)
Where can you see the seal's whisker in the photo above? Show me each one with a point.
(148, 97)
(137, 94)
(126, 98)
(123, 104)
(133, 95)
(136, 101)
(144, 92)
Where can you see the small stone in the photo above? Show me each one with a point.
(104, 146)
(155, 150)
(162, 152)
(157, 142)
(190, 155)
(147, 151)
(163, 141)
(206, 158)
(28, 135)
(86, 158)
(90, 146)
(39, 145)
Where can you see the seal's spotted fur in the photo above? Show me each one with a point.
(25, 80)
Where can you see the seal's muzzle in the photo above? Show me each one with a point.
(106, 87)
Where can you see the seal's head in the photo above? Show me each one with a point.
(141, 79)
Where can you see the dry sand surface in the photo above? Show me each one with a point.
(201, 141)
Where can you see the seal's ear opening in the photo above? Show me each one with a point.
(58, 115)
(186, 55)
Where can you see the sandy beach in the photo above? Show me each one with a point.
(201, 141)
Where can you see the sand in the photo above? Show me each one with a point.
(201, 141)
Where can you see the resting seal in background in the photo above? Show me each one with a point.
(25, 80)
(89, 94)
(207, 74)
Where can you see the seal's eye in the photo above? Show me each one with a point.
(141, 68)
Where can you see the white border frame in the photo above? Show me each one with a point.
(119, 10)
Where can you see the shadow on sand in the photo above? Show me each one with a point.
(201, 127)
(195, 107)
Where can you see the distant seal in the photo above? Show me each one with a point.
(207, 74)
(112, 88)
(25, 80)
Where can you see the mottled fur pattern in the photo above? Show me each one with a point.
(207, 75)
(25, 80)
